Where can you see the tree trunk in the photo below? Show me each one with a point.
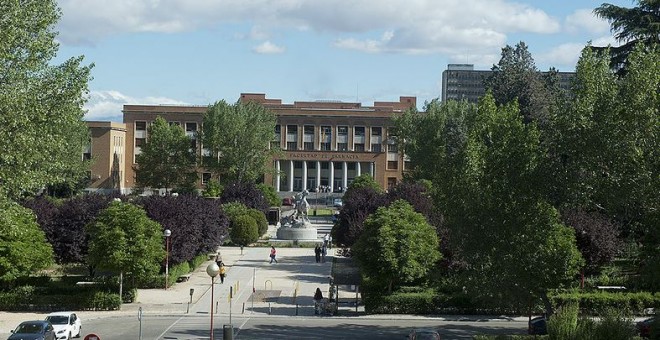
(549, 310)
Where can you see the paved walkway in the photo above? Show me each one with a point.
(283, 288)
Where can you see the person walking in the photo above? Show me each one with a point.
(317, 253)
(223, 272)
(318, 299)
(273, 253)
(324, 251)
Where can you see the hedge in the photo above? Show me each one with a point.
(28, 298)
(593, 303)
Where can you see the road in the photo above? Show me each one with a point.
(281, 327)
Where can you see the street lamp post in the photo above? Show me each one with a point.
(167, 233)
(213, 271)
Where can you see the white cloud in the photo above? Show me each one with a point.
(563, 57)
(108, 105)
(414, 26)
(268, 47)
(584, 19)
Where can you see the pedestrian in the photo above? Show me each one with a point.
(218, 259)
(273, 253)
(330, 242)
(325, 240)
(317, 253)
(324, 251)
(318, 299)
(223, 272)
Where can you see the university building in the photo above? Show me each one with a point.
(325, 144)
(463, 82)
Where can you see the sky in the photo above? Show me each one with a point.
(197, 52)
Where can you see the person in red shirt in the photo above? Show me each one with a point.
(273, 253)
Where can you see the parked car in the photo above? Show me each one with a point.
(644, 327)
(33, 330)
(537, 326)
(337, 203)
(66, 324)
(287, 201)
(423, 334)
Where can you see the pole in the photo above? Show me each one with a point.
(211, 308)
(254, 277)
(167, 260)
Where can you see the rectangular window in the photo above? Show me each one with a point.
(391, 183)
(191, 127)
(139, 142)
(392, 148)
(292, 137)
(358, 138)
(342, 138)
(376, 139)
(326, 138)
(206, 178)
(140, 126)
(275, 144)
(308, 137)
(392, 165)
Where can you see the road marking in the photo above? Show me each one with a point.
(170, 327)
(241, 327)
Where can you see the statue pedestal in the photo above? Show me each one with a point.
(292, 233)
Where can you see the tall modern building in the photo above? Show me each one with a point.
(463, 82)
(325, 144)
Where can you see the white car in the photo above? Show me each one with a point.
(67, 324)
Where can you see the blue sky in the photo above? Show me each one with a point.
(201, 51)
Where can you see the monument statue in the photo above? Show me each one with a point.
(302, 206)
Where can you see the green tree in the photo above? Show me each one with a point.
(124, 240)
(41, 102)
(397, 246)
(362, 181)
(270, 194)
(23, 245)
(630, 26)
(167, 160)
(515, 245)
(260, 218)
(238, 137)
(244, 230)
(516, 77)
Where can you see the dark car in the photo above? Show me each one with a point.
(537, 326)
(644, 327)
(423, 334)
(33, 330)
(287, 201)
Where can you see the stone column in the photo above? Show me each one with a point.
(371, 169)
(277, 175)
(304, 175)
(358, 169)
(331, 178)
(291, 176)
(318, 175)
(344, 175)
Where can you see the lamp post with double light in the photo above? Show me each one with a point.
(167, 233)
(213, 271)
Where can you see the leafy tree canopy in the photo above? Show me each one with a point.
(41, 102)
(246, 193)
(398, 246)
(238, 137)
(244, 230)
(630, 26)
(270, 194)
(24, 249)
(167, 159)
(124, 239)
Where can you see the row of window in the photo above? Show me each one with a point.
(325, 136)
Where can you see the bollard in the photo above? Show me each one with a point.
(228, 332)
(296, 309)
(270, 311)
(243, 312)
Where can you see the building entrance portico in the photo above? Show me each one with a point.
(331, 176)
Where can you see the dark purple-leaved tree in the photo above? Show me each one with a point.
(64, 225)
(361, 203)
(197, 224)
(246, 193)
(596, 236)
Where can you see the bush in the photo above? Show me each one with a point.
(593, 303)
(260, 218)
(422, 302)
(563, 324)
(244, 230)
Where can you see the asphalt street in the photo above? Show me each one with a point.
(278, 327)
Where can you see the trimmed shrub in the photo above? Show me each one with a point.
(260, 218)
(594, 303)
(244, 230)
